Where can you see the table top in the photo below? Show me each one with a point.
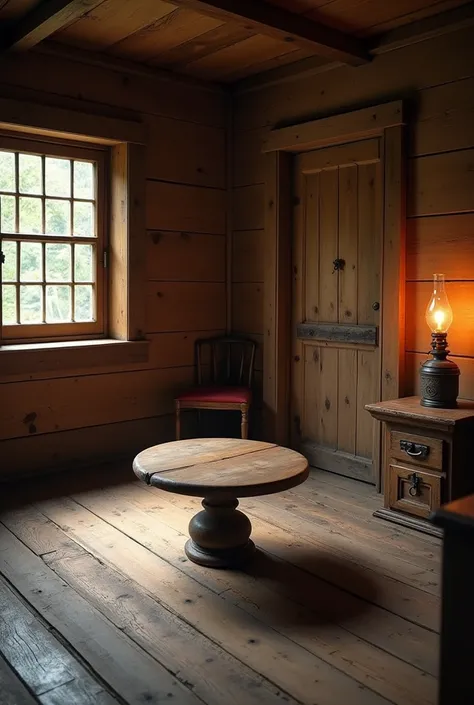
(203, 467)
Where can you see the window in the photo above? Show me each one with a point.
(52, 216)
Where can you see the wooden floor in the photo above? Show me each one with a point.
(98, 604)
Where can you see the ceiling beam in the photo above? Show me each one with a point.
(42, 21)
(273, 21)
(427, 28)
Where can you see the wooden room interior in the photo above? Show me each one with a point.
(291, 173)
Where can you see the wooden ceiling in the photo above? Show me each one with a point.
(218, 40)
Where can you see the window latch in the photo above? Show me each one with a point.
(2, 257)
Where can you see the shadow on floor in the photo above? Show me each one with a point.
(324, 586)
(64, 483)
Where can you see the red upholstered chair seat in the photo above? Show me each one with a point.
(230, 395)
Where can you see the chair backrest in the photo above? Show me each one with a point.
(225, 361)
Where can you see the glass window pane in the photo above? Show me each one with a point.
(83, 180)
(83, 263)
(31, 173)
(7, 213)
(58, 217)
(31, 304)
(31, 262)
(58, 262)
(9, 304)
(7, 171)
(9, 273)
(84, 219)
(57, 177)
(31, 220)
(58, 304)
(83, 303)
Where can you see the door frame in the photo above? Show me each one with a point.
(385, 121)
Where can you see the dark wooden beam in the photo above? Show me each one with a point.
(273, 21)
(419, 31)
(427, 28)
(42, 21)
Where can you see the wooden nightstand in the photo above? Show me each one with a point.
(428, 459)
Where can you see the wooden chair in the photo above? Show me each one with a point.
(224, 378)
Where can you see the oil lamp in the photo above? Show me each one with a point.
(439, 376)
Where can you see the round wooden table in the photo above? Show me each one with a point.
(220, 470)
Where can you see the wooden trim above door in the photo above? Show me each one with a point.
(385, 121)
(347, 127)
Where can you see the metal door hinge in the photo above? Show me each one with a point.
(105, 259)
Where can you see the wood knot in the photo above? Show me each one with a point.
(327, 404)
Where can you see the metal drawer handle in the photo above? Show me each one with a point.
(415, 450)
(415, 485)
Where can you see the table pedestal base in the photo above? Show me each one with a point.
(220, 535)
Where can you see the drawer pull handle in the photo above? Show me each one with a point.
(414, 488)
(415, 450)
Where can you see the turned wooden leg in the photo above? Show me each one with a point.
(178, 422)
(244, 424)
(220, 535)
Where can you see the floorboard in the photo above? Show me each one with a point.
(12, 690)
(42, 662)
(337, 607)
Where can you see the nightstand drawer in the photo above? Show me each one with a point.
(420, 450)
(414, 491)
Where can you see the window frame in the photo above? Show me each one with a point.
(48, 145)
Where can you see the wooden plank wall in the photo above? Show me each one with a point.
(436, 78)
(59, 418)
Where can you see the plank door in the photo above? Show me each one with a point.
(336, 306)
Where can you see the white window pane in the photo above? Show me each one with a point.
(31, 218)
(7, 214)
(58, 262)
(83, 180)
(58, 217)
(84, 303)
(31, 304)
(83, 263)
(31, 262)
(57, 177)
(84, 219)
(7, 171)
(9, 273)
(31, 173)
(9, 304)
(58, 303)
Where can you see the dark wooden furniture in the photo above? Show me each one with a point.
(427, 459)
(220, 470)
(456, 684)
(224, 367)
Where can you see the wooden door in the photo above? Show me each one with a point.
(336, 306)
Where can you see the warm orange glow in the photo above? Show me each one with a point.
(439, 314)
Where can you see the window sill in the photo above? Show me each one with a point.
(31, 360)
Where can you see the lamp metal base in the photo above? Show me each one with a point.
(439, 377)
